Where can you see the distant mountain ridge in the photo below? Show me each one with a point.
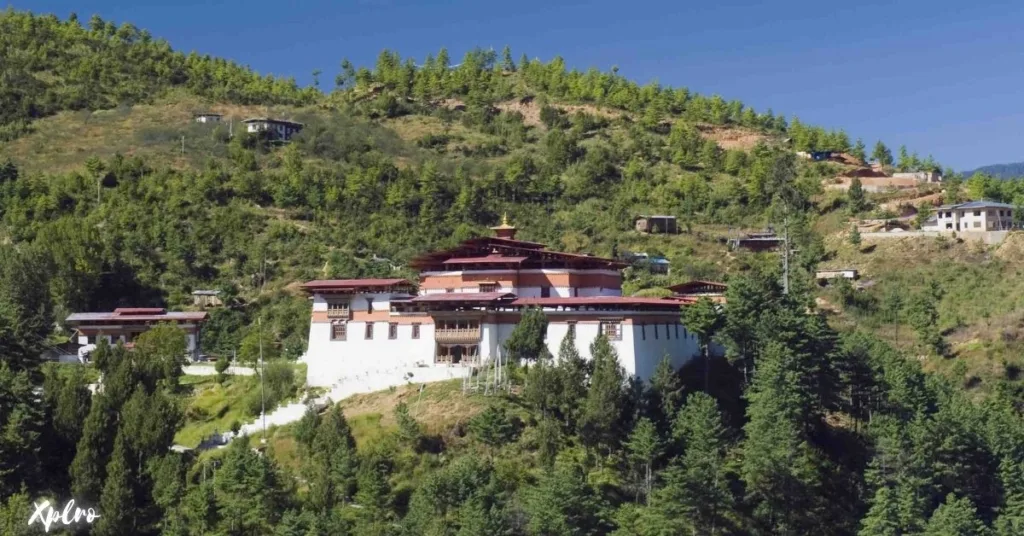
(1002, 171)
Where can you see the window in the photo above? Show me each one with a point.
(612, 330)
(449, 290)
(392, 330)
(488, 287)
(977, 213)
(668, 326)
(677, 331)
(337, 310)
(339, 331)
(977, 224)
(655, 331)
(369, 331)
(572, 329)
(643, 332)
(416, 330)
(369, 305)
(545, 292)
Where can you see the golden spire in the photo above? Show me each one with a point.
(504, 230)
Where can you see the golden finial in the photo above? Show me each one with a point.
(504, 219)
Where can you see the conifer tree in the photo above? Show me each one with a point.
(956, 517)
(117, 504)
(526, 342)
(704, 320)
(665, 392)
(563, 503)
(855, 239)
(88, 470)
(855, 196)
(883, 519)
(492, 427)
(859, 151)
(644, 447)
(605, 395)
(573, 372)
(882, 154)
(506, 60)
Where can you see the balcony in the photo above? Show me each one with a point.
(457, 336)
(339, 312)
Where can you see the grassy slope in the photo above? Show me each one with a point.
(980, 313)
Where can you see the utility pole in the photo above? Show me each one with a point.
(785, 256)
(263, 395)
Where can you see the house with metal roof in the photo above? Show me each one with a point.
(278, 129)
(975, 216)
(125, 324)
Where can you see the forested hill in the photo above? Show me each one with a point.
(838, 411)
(51, 65)
(1001, 171)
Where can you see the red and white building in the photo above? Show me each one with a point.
(125, 324)
(469, 299)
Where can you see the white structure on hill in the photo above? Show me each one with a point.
(974, 216)
(468, 302)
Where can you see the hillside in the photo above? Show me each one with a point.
(1001, 171)
(892, 407)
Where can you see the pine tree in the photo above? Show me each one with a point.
(780, 467)
(506, 60)
(703, 319)
(860, 151)
(855, 239)
(1011, 518)
(526, 342)
(696, 491)
(600, 415)
(855, 196)
(88, 470)
(573, 372)
(563, 503)
(22, 425)
(644, 447)
(882, 154)
(956, 517)
(665, 392)
(117, 504)
(883, 519)
(409, 431)
(493, 427)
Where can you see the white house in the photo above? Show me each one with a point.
(126, 323)
(974, 216)
(278, 128)
(208, 117)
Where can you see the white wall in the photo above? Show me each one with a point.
(328, 360)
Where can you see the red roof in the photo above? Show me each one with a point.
(698, 286)
(483, 297)
(348, 284)
(599, 300)
(490, 259)
(139, 311)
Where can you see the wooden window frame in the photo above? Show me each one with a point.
(415, 330)
(572, 328)
(344, 331)
(368, 332)
(489, 287)
(339, 310)
(643, 332)
(612, 329)
(392, 330)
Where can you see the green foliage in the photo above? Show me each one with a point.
(493, 427)
(527, 339)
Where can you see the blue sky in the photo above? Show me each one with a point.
(942, 77)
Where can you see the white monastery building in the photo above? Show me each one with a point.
(468, 301)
